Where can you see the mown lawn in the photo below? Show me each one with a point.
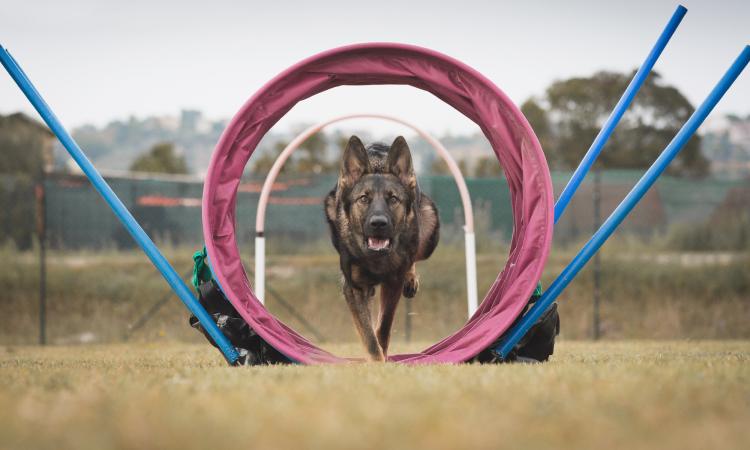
(629, 394)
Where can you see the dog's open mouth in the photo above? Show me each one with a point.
(378, 244)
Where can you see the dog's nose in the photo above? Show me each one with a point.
(378, 221)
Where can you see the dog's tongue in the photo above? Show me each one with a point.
(377, 244)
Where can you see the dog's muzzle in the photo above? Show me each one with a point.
(378, 229)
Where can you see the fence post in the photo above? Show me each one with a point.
(41, 229)
(597, 197)
(407, 322)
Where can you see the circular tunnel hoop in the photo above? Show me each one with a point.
(510, 135)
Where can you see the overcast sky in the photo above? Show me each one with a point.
(97, 60)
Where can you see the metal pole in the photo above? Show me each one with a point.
(597, 191)
(517, 332)
(471, 272)
(617, 113)
(122, 213)
(260, 267)
(407, 322)
(42, 236)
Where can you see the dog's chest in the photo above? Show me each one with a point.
(375, 270)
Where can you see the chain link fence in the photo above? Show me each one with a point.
(168, 208)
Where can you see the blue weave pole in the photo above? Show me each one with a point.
(514, 335)
(122, 213)
(614, 118)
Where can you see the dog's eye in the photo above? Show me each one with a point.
(393, 200)
(364, 199)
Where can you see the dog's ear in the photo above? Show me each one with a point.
(355, 163)
(399, 163)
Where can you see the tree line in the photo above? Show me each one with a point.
(566, 117)
(570, 113)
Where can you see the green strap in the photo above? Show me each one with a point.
(201, 271)
(538, 291)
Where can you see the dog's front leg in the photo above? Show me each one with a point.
(411, 282)
(357, 299)
(390, 294)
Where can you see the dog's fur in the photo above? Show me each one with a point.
(381, 224)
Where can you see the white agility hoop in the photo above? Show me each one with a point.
(265, 194)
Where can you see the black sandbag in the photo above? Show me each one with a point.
(536, 346)
(252, 348)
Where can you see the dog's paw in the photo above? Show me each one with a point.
(377, 358)
(411, 285)
(375, 354)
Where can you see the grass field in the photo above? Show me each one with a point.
(630, 394)
(167, 389)
(647, 293)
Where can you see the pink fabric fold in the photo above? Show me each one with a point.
(509, 133)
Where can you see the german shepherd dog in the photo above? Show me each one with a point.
(381, 225)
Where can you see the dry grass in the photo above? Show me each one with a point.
(95, 296)
(680, 395)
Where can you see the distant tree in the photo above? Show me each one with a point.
(26, 149)
(311, 156)
(25, 144)
(576, 109)
(439, 167)
(487, 167)
(342, 140)
(734, 117)
(264, 161)
(540, 122)
(161, 158)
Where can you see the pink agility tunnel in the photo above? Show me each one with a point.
(510, 135)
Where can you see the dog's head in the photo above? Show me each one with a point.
(377, 188)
